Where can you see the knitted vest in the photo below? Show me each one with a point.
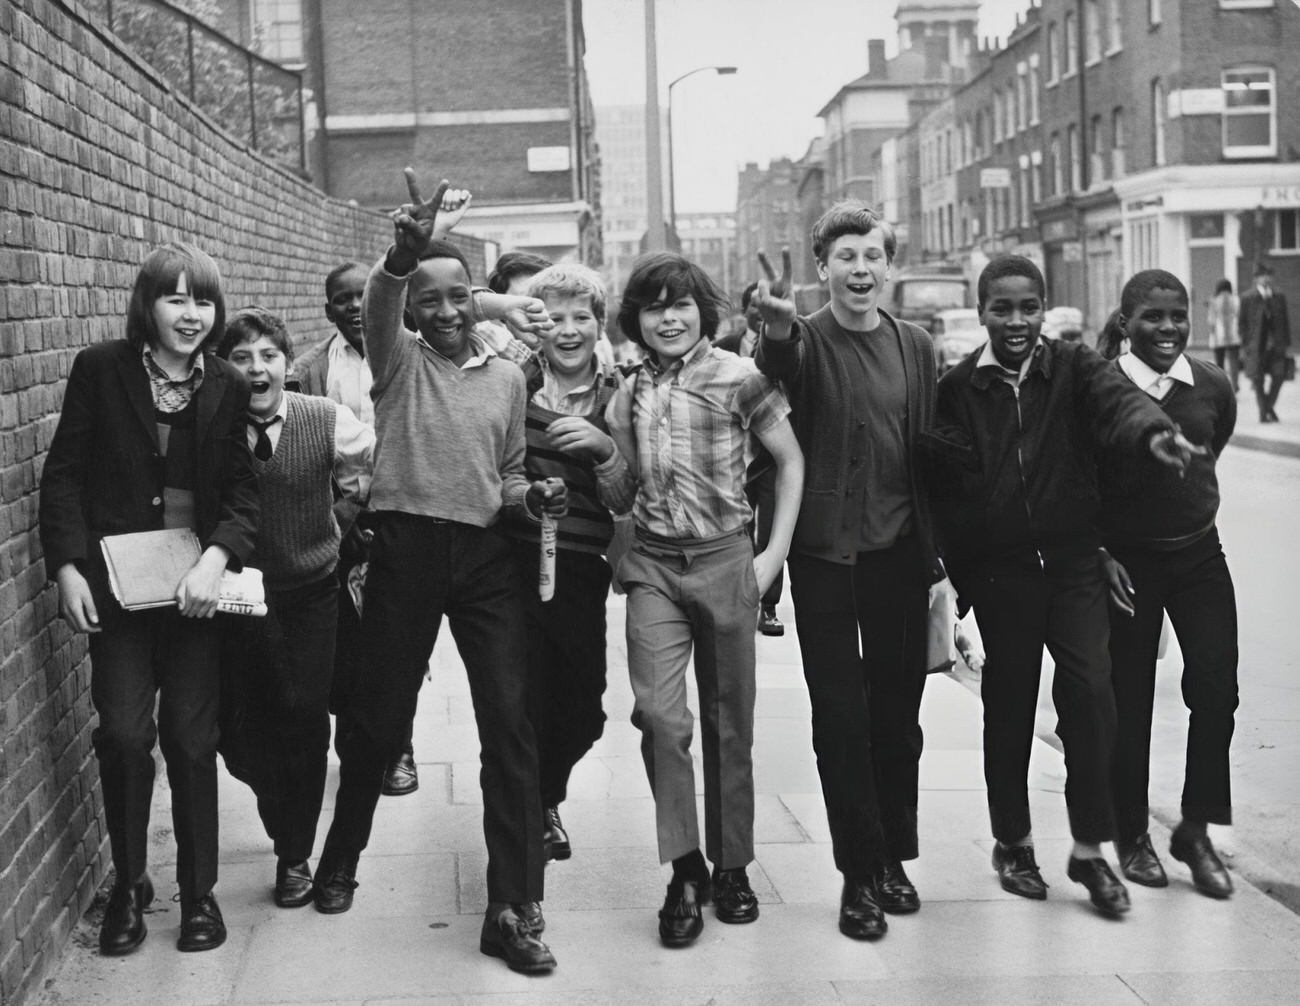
(588, 526)
(298, 538)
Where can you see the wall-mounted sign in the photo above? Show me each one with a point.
(548, 158)
(995, 178)
(1195, 101)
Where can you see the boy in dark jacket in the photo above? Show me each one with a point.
(1014, 487)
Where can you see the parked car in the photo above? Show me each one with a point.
(1064, 323)
(957, 333)
(918, 295)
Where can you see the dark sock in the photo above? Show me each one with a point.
(690, 867)
(1191, 829)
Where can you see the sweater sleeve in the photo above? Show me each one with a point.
(386, 334)
(1123, 417)
(782, 360)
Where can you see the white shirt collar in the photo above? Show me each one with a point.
(989, 359)
(1146, 378)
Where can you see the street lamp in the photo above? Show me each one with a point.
(722, 71)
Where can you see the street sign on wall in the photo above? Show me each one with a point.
(998, 178)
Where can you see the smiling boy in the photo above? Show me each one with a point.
(276, 672)
(1017, 430)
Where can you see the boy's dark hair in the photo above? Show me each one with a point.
(1008, 265)
(1223, 286)
(336, 272)
(437, 248)
(1140, 285)
(747, 296)
(158, 275)
(852, 216)
(249, 324)
(512, 265)
(673, 276)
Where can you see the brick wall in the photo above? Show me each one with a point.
(99, 162)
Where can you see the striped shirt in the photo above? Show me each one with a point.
(693, 424)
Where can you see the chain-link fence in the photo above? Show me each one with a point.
(253, 99)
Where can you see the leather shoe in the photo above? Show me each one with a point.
(202, 927)
(1018, 871)
(401, 777)
(530, 913)
(1106, 891)
(554, 837)
(293, 886)
(861, 918)
(768, 623)
(1140, 864)
(680, 920)
(733, 898)
(123, 928)
(334, 884)
(1208, 872)
(893, 891)
(508, 936)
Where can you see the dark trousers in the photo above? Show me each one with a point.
(862, 632)
(275, 723)
(1022, 604)
(761, 493)
(566, 662)
(138, 658)
(1268, 378)
(1193, 584)
(421, 569)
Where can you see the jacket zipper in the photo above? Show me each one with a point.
(1020, 464)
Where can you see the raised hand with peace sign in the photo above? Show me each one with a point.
(774, 297)
(413, 224)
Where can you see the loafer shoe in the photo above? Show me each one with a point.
(680, 920)
(554, 837)
(123, 928)
(530, 913)
(293, 884)
(334, 884)
(1106, 891)
(861, 918)
(507, 936)
(202, 927)
(1018, 871)
(733, 899)
(893, 891)
(1208, 872)
(401, 777)
(1139, 863)
(768, 623)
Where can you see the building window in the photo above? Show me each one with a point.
(1286, 231)
(1116, 41)
(1157, 122)
(1092, 31)
(1244, 4)
(1117, 142)
(1075, 153)
(1054, 155)
(1036, 177)
(1011, 111)
(1053, 54)
(997, 119)
(1071, 44)
(1022, 95)
(981, 140)
(1024, 197)
(1096, 153)
(1034, 118)
(277, 24)
(1153, 12)
(1249, 113)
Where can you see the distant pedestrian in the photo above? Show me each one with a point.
(152, 436)
(1164, 556)
(1265, 340)
(1225, 340)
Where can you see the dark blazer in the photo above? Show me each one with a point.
(312, 368)
(104, 475)
(1248, 326)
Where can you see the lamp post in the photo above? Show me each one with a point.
(672, 188)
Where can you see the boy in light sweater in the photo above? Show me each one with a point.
(276, 672)
(449, 416)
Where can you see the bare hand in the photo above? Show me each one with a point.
(575, 435)
(1118, 584)
(200, 588)
(528, 319)
(413, 222)
(1174, 450)
(774, 297)
(767, 567)
(549, 496)
(76, 602)
(454, 204)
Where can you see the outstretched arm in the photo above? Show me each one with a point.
(781, 444)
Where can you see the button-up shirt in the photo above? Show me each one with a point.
(169, 394)
(1153, 382)
(348, 379)
(354, 446)
(693, 421)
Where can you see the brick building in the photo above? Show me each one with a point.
(498, 104)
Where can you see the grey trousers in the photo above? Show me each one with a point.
(700, 593)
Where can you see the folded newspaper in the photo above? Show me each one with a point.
(145, 568)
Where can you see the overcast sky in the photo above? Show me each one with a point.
(792, 55)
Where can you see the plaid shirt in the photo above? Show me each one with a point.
(171, 395)
(693, 422)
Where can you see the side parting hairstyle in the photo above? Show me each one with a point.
(160, 272)
(852, 216)
(666, 276)
(249, 324)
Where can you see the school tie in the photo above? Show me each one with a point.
(262, 449)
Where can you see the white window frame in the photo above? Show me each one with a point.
(1278, 248)
(1159, 122)
(1053, 54)
(272, 49)
(1259, 150)
(1035, 103)
(1154, 14)
(1070, 48)
(1115, 27)
(1092, 33)
(1246, 4)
